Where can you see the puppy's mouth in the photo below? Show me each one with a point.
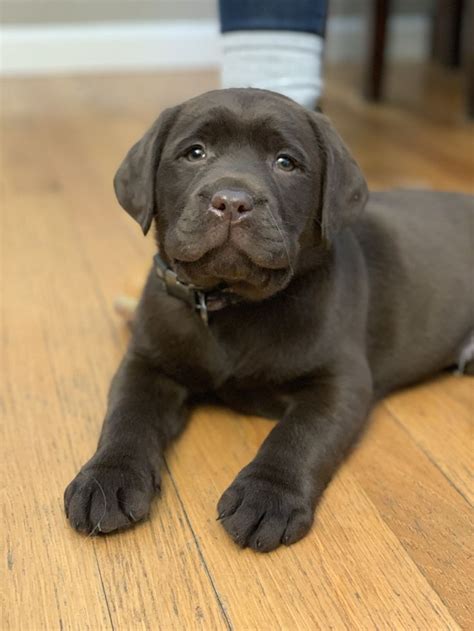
(229, 267)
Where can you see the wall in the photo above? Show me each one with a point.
(77, 11)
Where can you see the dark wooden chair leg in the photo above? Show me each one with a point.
(468, 54)
(376, 63)
(446, 35)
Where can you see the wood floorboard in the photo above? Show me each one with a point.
(442, 427)
(425, 512)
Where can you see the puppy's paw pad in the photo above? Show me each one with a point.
(104, 498)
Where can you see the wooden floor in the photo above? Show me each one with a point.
(391, 545)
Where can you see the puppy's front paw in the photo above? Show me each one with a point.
(107, 496)
(262, 511)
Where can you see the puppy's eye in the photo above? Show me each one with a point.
(196, 153)
(285, 162)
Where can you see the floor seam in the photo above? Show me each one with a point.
(200, 552)
(388, 525)
(426, 453)
(103, 590)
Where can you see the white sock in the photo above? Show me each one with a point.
(288, 62)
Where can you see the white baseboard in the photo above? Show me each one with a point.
(107, 47)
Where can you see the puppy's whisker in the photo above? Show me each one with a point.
(283, 240)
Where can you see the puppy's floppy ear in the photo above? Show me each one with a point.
(344, 190)
(134, 182)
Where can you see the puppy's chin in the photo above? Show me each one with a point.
(233, 269)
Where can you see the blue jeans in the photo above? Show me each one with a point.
(308, 16)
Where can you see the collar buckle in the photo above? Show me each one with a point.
(201, 306)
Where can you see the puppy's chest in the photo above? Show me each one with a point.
(264, 352)
(240, 345)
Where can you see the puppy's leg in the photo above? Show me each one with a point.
(114, 489)
(465, 360)
(272, 500)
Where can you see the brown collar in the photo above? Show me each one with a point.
(200, 300)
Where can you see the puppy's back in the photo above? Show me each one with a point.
(419, 249)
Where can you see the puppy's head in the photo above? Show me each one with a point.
(240, 182)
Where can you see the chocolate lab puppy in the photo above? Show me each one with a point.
(282, 289)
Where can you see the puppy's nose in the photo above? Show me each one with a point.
(232, 203)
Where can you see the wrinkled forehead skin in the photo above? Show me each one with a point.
(256, 117)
